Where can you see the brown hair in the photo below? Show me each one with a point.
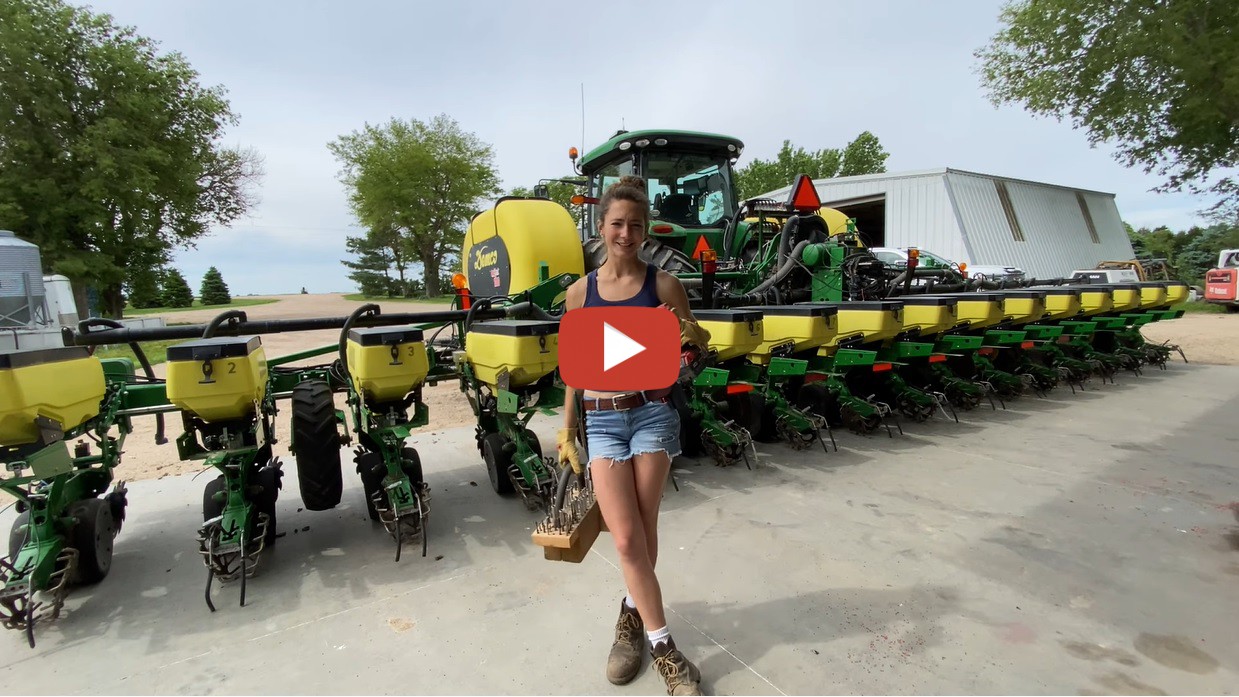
(629, 188)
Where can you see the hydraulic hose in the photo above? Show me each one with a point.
(220, 319)
(787, 266)
(367, 309)
(85, 325)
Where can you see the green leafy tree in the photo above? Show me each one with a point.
(214, 290)
(175, 291)
(110, 149)
(420, 182)
(371, 270)
(864, 155)
(1159, 80)
(143, 288)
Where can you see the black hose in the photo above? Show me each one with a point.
(220, 319)
(368, 308)
(85, 325)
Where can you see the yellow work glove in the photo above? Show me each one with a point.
(566, 447)
(693, 334)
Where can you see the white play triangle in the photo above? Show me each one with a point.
(617, 347)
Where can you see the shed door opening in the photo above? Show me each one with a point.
(870, 215)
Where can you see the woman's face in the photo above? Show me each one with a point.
(623, 228)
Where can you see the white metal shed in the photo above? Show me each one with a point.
(1045, 229)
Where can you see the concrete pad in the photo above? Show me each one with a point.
(1080, 544)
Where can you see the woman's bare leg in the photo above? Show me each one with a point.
(650, 470)
(615, 488)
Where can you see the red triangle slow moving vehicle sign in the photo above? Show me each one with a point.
(804, 196)
(702, 246)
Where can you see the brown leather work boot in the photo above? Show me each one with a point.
(681, 676)
(624, 663)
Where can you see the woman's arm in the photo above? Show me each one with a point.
(574, 298)
(673, 295)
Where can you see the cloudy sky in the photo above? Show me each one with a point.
(301, 74)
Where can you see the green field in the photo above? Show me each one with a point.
(156, 351)
(1202, 306)
(236, 302)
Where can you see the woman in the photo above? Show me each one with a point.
(630, 448)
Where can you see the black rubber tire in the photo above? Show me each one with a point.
(92, 536)
(317, 441)
(269, 478)
(210, 507)
(497, 462)
(412, 466)
(370, 469)
(17, 537)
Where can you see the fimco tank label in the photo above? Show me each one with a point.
(489, 268)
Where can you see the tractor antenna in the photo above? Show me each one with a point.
(582, 117)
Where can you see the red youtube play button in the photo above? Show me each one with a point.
(619, 349)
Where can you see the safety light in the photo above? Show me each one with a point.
(578, 199)
(938, 358)
(739, 389)
(572, 154)
(814, 377)
(461, 284)
(642, 143)
(661, 229)
(709, 261)
(1027, 345)
(882, 367)
(914, 253)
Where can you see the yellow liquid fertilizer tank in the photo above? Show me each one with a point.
(217, 379)
(505, 245)
(1062, 302)
(793, 328)
(1023, 305)
(64, 384)
(930, 314)
(733, 333)
(386, 363)
(524, 349)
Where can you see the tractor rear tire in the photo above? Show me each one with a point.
(317, 442)
(498, 460)
(92, 536)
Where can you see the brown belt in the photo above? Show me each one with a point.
(624, 402)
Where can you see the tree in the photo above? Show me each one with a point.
(143, 288)
(1159, 80)
(371, 270)
(419, 182)
(864, 155)
(176, 292)
(214, 290)
(111, 150)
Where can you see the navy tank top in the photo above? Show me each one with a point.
(646, 297)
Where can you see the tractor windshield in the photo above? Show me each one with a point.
(688, 189)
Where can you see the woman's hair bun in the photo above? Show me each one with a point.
(631, 180)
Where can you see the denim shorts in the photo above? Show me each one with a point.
(619, 435)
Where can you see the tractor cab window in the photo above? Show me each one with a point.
(692, 190)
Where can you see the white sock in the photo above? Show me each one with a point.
(628, 602)
(662, 634)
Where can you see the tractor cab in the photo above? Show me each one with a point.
(689, 180)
